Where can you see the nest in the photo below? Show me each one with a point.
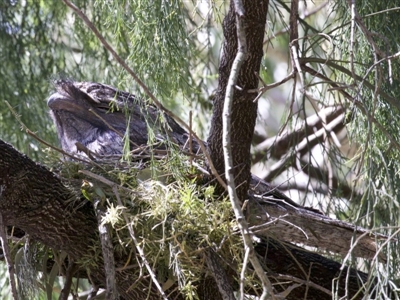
(174, 216)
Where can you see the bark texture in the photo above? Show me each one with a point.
(244, 111)
(35, 200)
(309, 268)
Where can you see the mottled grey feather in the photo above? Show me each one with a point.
(96, 115)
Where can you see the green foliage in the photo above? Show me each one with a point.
(376, 122)
(43, 40)
(39, 41)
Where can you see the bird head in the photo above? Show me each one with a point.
(94, 115)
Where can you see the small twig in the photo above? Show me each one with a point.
(294, 39)
(190, 140)
(364, 29)
(7, 256)
(353, 16)
(360, 105)
(267, 87)
(214, 265)
(107, 250)
(297, 66)
(384, 11)
(137, 245)
(304, 144)
(340, 86)
(104, 180)
(377, 52)
(93, 292)
(274, 144)
(301, 281)
(263, 227)
(281, 218)
(69, 275)
(285, 293)
(392, 237)
(354, 242)
(390, 57)
(305, 15)
(313, 102)
(243, 272)
(293, 98)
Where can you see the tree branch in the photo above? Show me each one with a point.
(69, 275)
(36, 201)
(214, 264)
(107, 250)
(277, 146)
(244, 110)
(303, 147)
(226, 142)
(315, 272)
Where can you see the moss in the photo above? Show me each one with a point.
(173, 217)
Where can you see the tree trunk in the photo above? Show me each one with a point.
(244, 110)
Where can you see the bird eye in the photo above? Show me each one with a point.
(104, 108)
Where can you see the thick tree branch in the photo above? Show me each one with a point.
(314, 270)
(277, 146)
(244, 110)
(300, 225)
(227, 147)
(303, 147)
(69, 276)
(215, 265)
(36, 201)
(30, 208)
(107, 250)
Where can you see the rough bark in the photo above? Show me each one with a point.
(244, 111)
(310, 268)
(36, 201)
